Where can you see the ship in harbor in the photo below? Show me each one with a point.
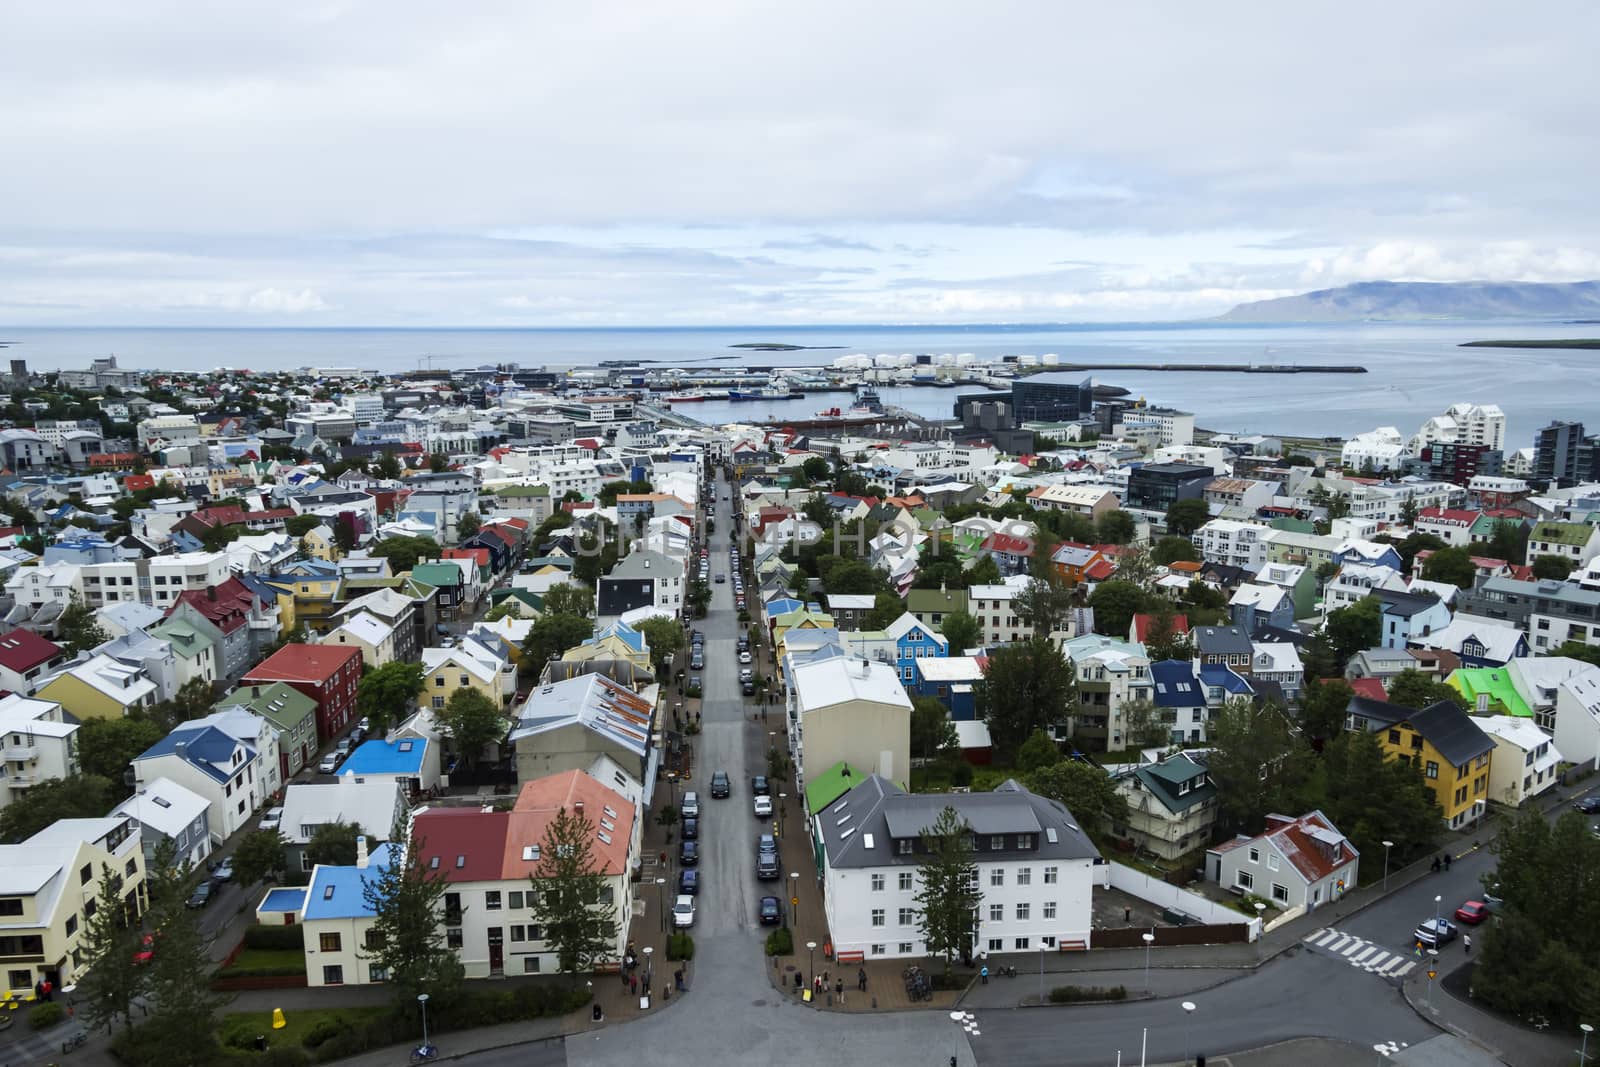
(777, 389)
(867, 404)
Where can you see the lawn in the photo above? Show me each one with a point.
(250, 1023)
(269, 959)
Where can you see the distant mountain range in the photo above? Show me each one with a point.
(1398, 301)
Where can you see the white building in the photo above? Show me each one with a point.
(1295, 863)
(37, 744)
(166, 811)
(991, 605)
(1526, 762)
(227, 772)
(1382, 449)
(1035, 870)
(1577, 721)
(1238, 544)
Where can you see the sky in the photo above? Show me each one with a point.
(711, 162)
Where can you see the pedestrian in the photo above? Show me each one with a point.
(984, 974)
(1436, 865)
(1466, 942)
(797, 981)
(861, 979)
(633, 984)
(1447, 861)
(49, 989)
(677, 978)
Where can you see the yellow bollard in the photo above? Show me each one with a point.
(278, 1021)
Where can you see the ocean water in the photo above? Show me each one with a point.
(1415, 370)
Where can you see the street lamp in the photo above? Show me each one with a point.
(811, 947)
(1436, 901)
(1387, 845)
(1041, 972)
(661, 901)
(649, 968)
(1261, 916)
(1583, 1053)
(783, 802)
(1188, 1031)
(422, 998)
(794, 894)
(1149, 939)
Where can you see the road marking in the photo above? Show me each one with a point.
(1370, 949)
(1355, 943)
(1360, 953)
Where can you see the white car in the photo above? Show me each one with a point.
(683, 912)
(763, 807)
(271, 819)
(690, 808)
(744, 657)
(329, 764)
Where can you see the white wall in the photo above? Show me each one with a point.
(1136, 883)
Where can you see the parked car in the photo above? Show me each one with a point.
(223, 872)
(1435, 932)
(1589, 805)
(738, 603)
(767, 862)
(697, 660)
(744, 644)
(748, 687)
(343, 747)
(690, 808)
(721, 785)
(689, 853)
(200, 897)
(272, 819)
(683, 912)
(329, 764)
(744, 657)
(721, 578)
(760, 786)
(763, 807)
(1472, 912)
(771, 911)
(691, 829)
(366, 724)
(746, 675)
(689, 880)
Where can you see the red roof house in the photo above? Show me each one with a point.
(326, 673)
(24, 658)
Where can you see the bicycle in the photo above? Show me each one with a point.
(424, 1052)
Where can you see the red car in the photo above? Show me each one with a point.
(147, 949)
(1472, 912)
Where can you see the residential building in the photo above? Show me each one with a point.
(1110, 680)
(326, 673)
(1035, 870)
(1452, 751)
(38, 742)
(1575, 542)
(622, 589)
(930, 606)
(1172, 805)
(1227, 646)
(1253, 606)
(913, 641)
(240, 623)
(1240, 496)
(1091, 501)
(292, 714)
(565, 725)
(231, 772)
(1299, 863)
(25, 658)
(408, 625)
(365, 631)
(1157, 486)
(851, 710)
(337, 921)
(99, 688)
(991, 605)
(1526, 762)
(376, 806)
(167, 811)
(1550, 612)
(1453, 526)
(1239, 544)
(1407, 617)
(952, 681)
(1180, 699)
(408, 757)
(471, 665)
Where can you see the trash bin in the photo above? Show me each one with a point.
(261, 1042)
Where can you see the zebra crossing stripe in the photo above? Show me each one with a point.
(1370, 950)
(1402, 972)
(1378, 962)
(1322, 937)
(1356, 944)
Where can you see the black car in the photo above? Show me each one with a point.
(201, 896)
(759, 786)
(771, 911)
(689, 882)
(697, 662)
(721, 787)
(749, 687)
(691, 829)
(1589, 805)
(689, 854)
(743, 645)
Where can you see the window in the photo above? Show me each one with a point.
(1280, 893)
(378, 974)
(530, 965)
(906, 948)
(514, 899)
(878, 882)
(997, 913)
(996, 843)
(904, 846)
(491, 900)
(1049, 910)
(132, 869)
(1255, 854)
(877, 950)
(452, 937)
(877, 916)
(84, 877)
(997, 944)
(1049, 876)
(72, 923)
(1048, 942)
(333, 975)
(1394, 737)
(1272, 861)
(1432, 770)
(1022, 912)
(373, 940)
(328, 942)
(997, 877)
(11, 906)
(1244, 879)
(907, 879)
(438, 703)
(908, 916)
(519, 933)
(464, 680)
(438, 681)
(1025, 876)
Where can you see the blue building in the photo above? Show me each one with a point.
(913, 641)
(952, 681)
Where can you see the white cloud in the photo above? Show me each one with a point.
(292, 302)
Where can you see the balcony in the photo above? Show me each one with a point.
(22, 779)
(19, 753)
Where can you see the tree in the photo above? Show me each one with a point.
(816, 468)
(550, 636)
(389, 693)
(388, 467)
(1115, 603)
(80, 796)
(438, 463)
(1184, 517)
(1143, 726)
(1036, 752)
(259, 857)
(947, 888)
(932, 732)
(1453, 565)
(300, 525)
(1044, 605)
(567, 598)
(1354, 629)
(407, 942)
(1256, 762)
(80, 631)
(849, 576)
(1115, 527)
(1322, 708)
(570, 897)
(1173, 549)
(217, 537)
(1027, 686)
(1136, 566)
(333, 844)
(110, 940)
(1408, 512)
(193, 700)
(1417, 542)
(1086, 790)
(1374, 799)
(1413, 689)
(472, 721)
(962, 631)
(1578, 650)
(107, 746)
(468, 525)
(597, 554)
(183, 1017)
(984, 572)
(1548, 566)
(886, 608)
(1162, 641)
(1508, 540)
(665, 638)
(403, 552)
(611, 490)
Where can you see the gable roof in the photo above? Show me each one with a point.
(1178, 782)
(1444, 725)
(22, 650)
(303, 663)
(1176, 685)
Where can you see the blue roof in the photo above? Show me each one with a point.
(402, 756)
(782, 606)
(340, 892)
(287, 899)
(205, 746)
(1221, 674)
(625, 633)
(1175, 684)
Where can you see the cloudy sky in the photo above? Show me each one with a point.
(400, 163)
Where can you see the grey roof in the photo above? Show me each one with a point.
(879, 811)
(1444, 725)
(1163, 781)
(1405, 605)
(1222, 640)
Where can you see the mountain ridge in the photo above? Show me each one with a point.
(1401, 301)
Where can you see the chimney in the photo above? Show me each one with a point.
(361, 852)
(181, 749)
(211, 593)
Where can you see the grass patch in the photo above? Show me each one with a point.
(238, 1029)
(1080, 994)
(252, 958)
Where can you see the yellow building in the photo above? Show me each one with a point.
(616, 641)
(308, 595)
(100, 688)
(319, 543)
(474, 664)
(799, 619)
(1445, 745)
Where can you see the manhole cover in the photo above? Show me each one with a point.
(759, 1002)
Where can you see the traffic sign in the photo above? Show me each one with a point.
(795, 901)
(1432, 975)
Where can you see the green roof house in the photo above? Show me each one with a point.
(1489, 691)
(198, 655)
(293, 714)
(930, 606)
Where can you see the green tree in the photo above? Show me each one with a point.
(1256, 762)
(1027, 686)
(182, 1020)
(665, 638)
(932, 732)
(1044, 605)
(107, 746)
(816, 469)
(260, 856)
(388, 467)
(1417, 542)
(568, 598)
(947, 888)
(193, 700)
(597, 554)
(438, 463)
(1135, 566)
(850, 576)
(984, 572)
(1408, 512)
(886, 608)
(404, 552)
(333, 844)
(1354, 629)
(571, 895)
(1115, 527)
(1453, 565)
(550, 636)
(80, 796)
(110, 941)
(1578, 650)
(1322, 708)
(1173, 549)
(1115, 603)
(407, 942)
(1184, 517)
(388, 694)
(300, 525)
(1508, 540)
(218, 537)
(1552, 567)
(468, 525)
(80, 631)
(1373, 799)
(472, 721)
(1039, 750)
(1144, 727)
(1162, 641)
(1412, 688)
(1086, 790)
(962, 631)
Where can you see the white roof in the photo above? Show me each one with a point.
(366, 627)
(434, 658)
(28, 715)
(118, 681)
(1514, 729)
(1281, 656)
(1266, 597)
(949, 668)
(1499, 641)
(1585, 688)
(973, 733)
(371, 804)
(384, 603)
(164, 806)
(826, 683)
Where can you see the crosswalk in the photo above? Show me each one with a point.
(1361, 953)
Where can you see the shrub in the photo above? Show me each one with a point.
(323, 1031)
(680, 947)
(43, 1016)
(1078, 994)
(780, 942)
(961, 774)
(275, 937)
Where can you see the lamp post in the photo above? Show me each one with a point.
(422, 998)
(1149, 939)
(1433, 969)
(649, 968)
(661, 901)
(1387, 845)
(1041, 974)
(1261, 916)
(1583, 1053)
(794, 894)
(811, 947)
(783, 802)
(1188, 1031)
(1437, 899)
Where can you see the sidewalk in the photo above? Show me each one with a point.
(1512, 1043)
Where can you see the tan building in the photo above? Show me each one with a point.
(363, 630)
(852, 710)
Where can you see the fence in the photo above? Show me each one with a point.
(1204, 911)
(1200, 934)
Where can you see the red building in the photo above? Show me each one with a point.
(326, 673)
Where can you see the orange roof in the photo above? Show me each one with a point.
(1187, 565)
(541, 799)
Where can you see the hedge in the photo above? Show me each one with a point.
(780, 942)
(275, 937)
(43, 1016)
(1079, 994)
(680, 947)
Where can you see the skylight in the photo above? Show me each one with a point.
(461, 861)
(866, 840)
(530, 852)
(1050, 835)
(327, 892)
